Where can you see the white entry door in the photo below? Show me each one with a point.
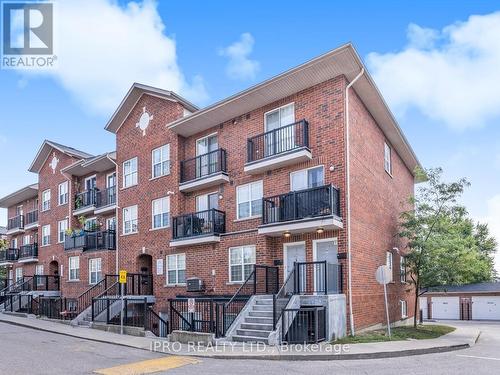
(422, 301)
(326, 250)
(445, 308)
(486, 308)
(295, 253)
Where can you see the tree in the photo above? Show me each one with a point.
(444, 246)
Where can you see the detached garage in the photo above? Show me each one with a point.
(465, 302)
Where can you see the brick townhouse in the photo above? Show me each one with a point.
(285, 195)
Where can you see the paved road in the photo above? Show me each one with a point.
(26, 351)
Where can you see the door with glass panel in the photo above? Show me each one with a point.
(282, 138)
(295, 254)
(204, 221)
(206, 163)
(111, 188)
(326, 276)
(90, 185)
(304, 200)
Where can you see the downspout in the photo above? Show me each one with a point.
(348, 199)
(116, 213)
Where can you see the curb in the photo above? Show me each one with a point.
(278, 357)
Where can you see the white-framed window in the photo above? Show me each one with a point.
(402, 269)
(388, 262)
(91, 224)
(160, 213)
(404, 309)
(26, 239)
(62, 193)
(307, 178)
(19, 274)
(130, 220)
(176, 269)
(279, 117)
(13, 243)
(62, 227)
(19, 210)
(111, 223)
(95, 270)
(46, 200)
(74, 268)
(249, 199)
(130, 172)
(161, 161)
(39, 272)
(387, 158)
(207, 201)
(241, 263)
(46, 235)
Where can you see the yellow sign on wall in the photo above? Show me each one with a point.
(123, 277)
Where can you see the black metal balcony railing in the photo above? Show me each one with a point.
(199, 223)
(31, 217)
(106, 197)
(85, 199)
(277, 141)
(301, 204)
(203, 165)
(28, 251)
(105, 240)
(9, 255)
(16, 222)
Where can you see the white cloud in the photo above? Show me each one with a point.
(240, 66)
(493, 219)
(450, 75)
(102, 48)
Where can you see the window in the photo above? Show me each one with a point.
(404, 309)
(388, 262)
(130, 172)
(283, 139)
(280, 117)
(207, 202)
(62, 226)
(46, 200)
(387, 158)
(241, 263)
(19, 210)
(161, 213)
(208, 160)
(130, 220)
(19, 274)
(63, 193)
(111, 223)
(161, 161)
(402, 269)
(39, 272)
(91, 225)
(176, 269)
(111, 180)
(13, 243)
(74, 268)
(95, 273)
(249, 198)
(307, 178)
(26, 240)
(46, 235)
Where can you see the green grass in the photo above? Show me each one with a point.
(422, 332)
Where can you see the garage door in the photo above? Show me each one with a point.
(422, 301)
(445, 308)
(486, 308)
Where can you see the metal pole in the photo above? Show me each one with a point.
(387, 311)
(121, 310)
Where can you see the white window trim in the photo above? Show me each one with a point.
(161, 162)
(176, 269)
(250, 193)
(46, 244)
(98, 270)
(278, 109)
(231, 281)
(42, 209)
(206, 196)
(307, 169)
(404, 306)
(59, 229)
(107, 179)
(153, 213)
(69, 269)
(387, 146)
(136, 172)
(59, 193)
(137, 220)
(205, 137)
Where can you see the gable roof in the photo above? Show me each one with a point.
(132, 97)
(99, 163)
(467, 288)
(19, 196)
(44, 152)
(341, 61)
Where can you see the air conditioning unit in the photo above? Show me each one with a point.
(194, 284)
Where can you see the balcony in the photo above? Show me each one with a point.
(15, 224)
(88, 241)
(84, 202)
(198, 228)
(8, 256)
(302, 211)
(105, 200)
(279, 147)
(31, 220)
(204, 171)
(28, 253)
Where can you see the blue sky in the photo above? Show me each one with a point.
(435, 62)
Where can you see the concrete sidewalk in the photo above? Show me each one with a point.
(461, 338)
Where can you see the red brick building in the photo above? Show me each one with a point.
(307, 169)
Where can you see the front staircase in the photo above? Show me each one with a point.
(256, 323)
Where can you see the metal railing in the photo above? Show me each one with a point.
(277, 141)
(281, 299)
(198, 224)
(155, 324)
(18, 303)
(301, 204)
(84, 199)
(15, 222)
(305, 325)
(106, 197)
(103, 240)
(202, 320)
(55, 308)
(318, 278)
(4, 283)
(28, 251)
(203, 165)
(31, 217)
(9, 255)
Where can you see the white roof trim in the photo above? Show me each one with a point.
(37, 163)
(21, 195)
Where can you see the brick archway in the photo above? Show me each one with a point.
(54, 268)
(145, 264)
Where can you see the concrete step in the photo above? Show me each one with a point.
(263, 307)
(258, 320)
(250, 339)
(262, 314)
(252, 333)
(264, 302)
(257, 326)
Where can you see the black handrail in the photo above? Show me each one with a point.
(281, 299)
(296, 205)
(153, 323)
(84, 300)
(31, 217)
(9, 255)
(106, 197)
(277, 141)
(304, 325)
(28, 251)
(203, 165)
(88, 240)
(15, 222)
(85, 199)
(198, 224)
